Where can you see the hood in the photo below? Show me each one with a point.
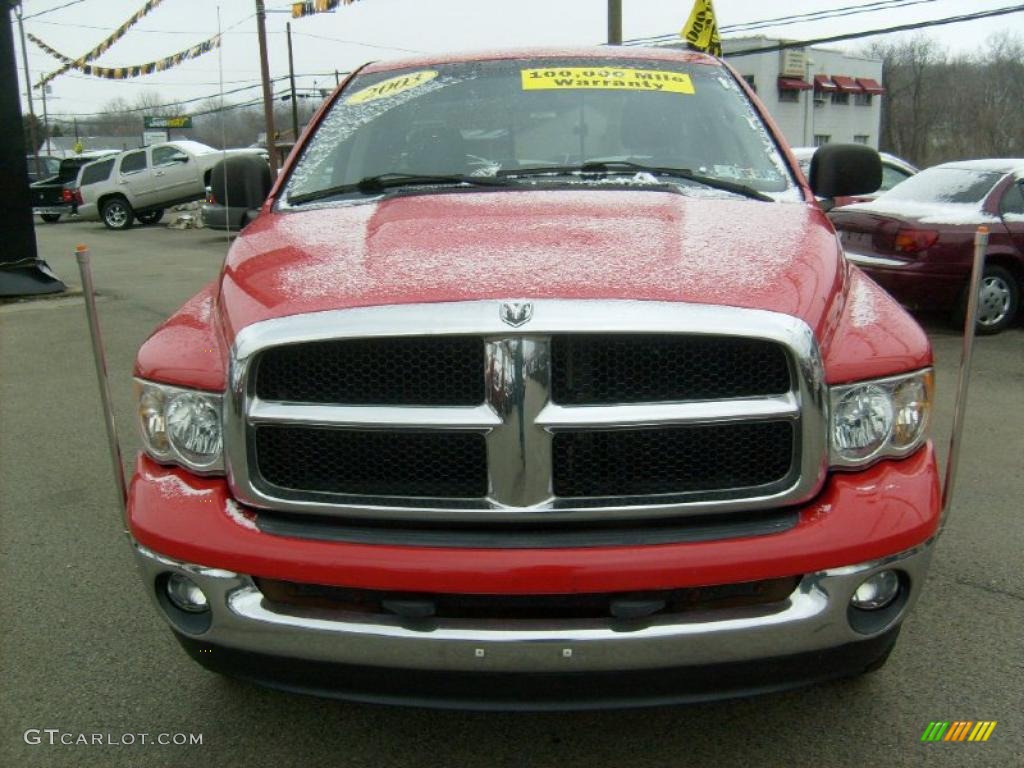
(566, 243)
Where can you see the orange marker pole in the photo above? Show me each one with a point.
(100, 358)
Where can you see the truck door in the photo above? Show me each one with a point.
(134, 174)
(176, 174)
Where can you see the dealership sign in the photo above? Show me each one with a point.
(156, 122)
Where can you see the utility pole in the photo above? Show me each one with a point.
(268, 95)
(28, 94)
(46, 121)
(614, 22)
(291, 78)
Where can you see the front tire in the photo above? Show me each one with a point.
(50, 218)
(117, 214)
(151, 217)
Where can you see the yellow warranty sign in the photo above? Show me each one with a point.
(392, 87)
(606, 78)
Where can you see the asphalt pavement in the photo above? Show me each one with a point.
(83, 653)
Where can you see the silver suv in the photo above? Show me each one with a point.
(141, 183)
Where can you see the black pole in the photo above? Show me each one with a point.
(614, 22)
(22, 272)
(291, 78)
(28, 95)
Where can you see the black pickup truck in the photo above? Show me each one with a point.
(55, 196)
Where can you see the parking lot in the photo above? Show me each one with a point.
(83, 651)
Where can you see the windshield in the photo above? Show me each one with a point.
(945, 185)
(493, 118)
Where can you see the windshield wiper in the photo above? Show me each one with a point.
(606, 167)
(383, 181)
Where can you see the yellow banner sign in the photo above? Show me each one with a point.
(701, 29)
(606, 78)
(392, 87)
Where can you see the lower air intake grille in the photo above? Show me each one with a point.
(373, 463)
(706, 458)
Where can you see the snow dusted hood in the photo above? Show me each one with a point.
(573, 244)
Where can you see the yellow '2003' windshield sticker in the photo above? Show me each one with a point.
(606, 78)
(392, 86)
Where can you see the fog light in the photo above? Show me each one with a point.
(186, 594)
(877, 591)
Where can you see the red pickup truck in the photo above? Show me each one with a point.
(540, 380)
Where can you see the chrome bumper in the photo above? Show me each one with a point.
(813, 618)
(63, 210)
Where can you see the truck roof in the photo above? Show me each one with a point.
(585, 52)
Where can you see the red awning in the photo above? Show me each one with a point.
(846, 84)
(824, 83)
(793, 84)
(871, 86)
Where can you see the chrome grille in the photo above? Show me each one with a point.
(691, 431)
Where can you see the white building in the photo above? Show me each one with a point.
(817, 96)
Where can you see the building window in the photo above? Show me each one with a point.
(793, 97)
(750, 82)
(862, 99)
(821, 139)
(861, 138)
(839, 97)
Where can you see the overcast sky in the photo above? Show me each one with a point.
(383, 29)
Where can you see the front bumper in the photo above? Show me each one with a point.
(884, 517)
(547, 664)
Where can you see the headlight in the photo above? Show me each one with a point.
(882, 418)
(181, 426)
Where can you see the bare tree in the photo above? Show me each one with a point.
(941, 107)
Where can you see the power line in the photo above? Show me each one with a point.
(886, 31)
(51, 10)
(357, 42)
(207, 97)
(811, 16)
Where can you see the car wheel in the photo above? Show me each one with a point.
(998, 299)
(50, 218)
(117, 213)
(151, 217)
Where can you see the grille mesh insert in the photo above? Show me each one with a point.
(672, 459)
(636, 368)
(425, 370)
(373, 463)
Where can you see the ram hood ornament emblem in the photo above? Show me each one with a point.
(516, 313)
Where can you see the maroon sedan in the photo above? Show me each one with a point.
(917, 239)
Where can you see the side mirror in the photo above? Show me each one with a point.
(241, 181)
(179, 159)
(840, 170)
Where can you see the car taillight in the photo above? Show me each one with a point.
(66, 196)
(915, 240)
